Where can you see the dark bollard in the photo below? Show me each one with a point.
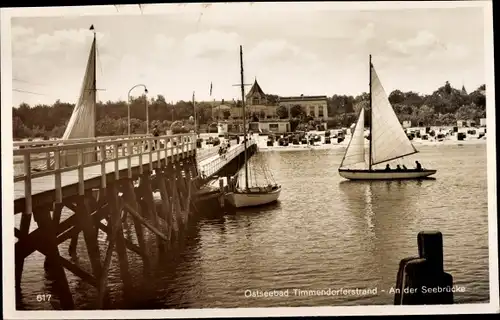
(422, 280)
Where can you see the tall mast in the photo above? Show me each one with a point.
(94, 84)
(194, 111)
(371, 118)
(244, 117)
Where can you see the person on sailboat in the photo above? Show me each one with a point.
(418, 166)
(404, 167)
(387, 168)
(398, 168)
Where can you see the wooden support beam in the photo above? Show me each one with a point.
(131, 246)
(165, 202)
(115, 230)
(65, 230)
(148, 225)
(46, 224)
(37, 244)
(177, 195)
(150, 204)
(116, 223)
(173, 203)
(19, 259)
(56, 213)
(89, 233)
(103, 280)
(129, 194)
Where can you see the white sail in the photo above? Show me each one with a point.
(82, 121)
(389, 141)
(355, 152)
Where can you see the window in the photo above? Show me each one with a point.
(273, 127)
(255, 100)
(321, 112)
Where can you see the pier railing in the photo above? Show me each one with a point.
(212, 167)
(59, 156)
(206, 153)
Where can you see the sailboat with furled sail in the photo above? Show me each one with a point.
(246, 195)
(387, 141)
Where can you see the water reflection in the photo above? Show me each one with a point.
(384, 211)
(324, 232)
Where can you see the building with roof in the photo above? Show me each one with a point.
(259, 106)
(314, 106)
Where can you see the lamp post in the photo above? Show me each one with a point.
(128, 108)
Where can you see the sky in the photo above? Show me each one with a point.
(310, 49)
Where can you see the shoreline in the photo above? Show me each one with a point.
(261, 143)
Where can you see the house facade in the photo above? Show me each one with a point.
(258, 106)
(314, 106)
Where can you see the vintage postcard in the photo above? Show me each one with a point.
(248, 159)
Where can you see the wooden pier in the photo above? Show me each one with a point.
(103, 181)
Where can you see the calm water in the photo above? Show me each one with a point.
(324, 233)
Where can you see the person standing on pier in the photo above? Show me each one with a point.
(156, 133)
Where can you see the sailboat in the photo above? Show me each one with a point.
(82, 123)
(387, 141)
(246, 196)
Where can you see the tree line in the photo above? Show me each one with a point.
(444, 106)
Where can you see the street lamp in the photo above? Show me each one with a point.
(128, 107)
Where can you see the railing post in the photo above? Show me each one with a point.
(117, 167)
(150, 153)
(48, 160)
(81, 180)
(158, 152)
(166, 151)
(164, 148)
(102, 149)
(57, 175)
(178, 148)
(140, 153)
(172, 149)
(27, 184)
(183, 146)
(129, 159)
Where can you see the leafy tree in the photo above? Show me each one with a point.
(297, 111)
(396, 97)
(272, 99)
(282, 112)
(442, 107)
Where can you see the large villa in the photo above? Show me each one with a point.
(264, 108)
(259, 106)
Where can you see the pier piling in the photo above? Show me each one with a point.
(421, 280)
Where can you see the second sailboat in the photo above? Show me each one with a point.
(250, 196)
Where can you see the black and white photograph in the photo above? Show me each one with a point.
(248, 159)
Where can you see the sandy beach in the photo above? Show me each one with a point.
(320, 145)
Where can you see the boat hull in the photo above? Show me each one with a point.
(252, 199)
(353, 174)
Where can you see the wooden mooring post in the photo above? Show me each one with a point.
(422, 280)
(125, 182)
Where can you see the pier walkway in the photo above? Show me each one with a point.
(57, 168)
(105, 182)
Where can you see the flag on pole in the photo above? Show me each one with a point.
(210, 88)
